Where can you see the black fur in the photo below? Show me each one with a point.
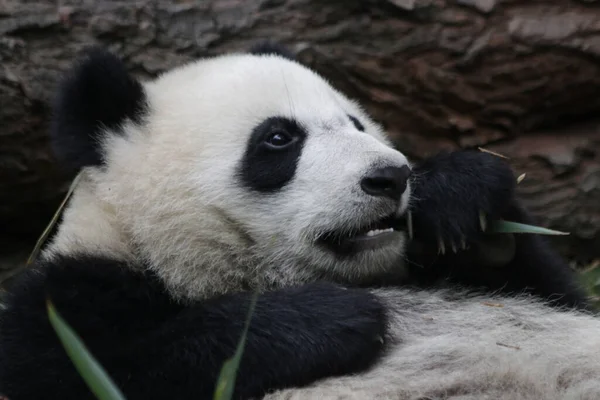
(264, 168)
(97, 94)
(155, 348)
(449, 191)
(266, 48)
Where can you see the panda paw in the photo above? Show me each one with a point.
(456, 196)
(342, 330)
(337, 308)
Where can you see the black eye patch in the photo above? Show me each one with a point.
(357, 123)
(272, 154)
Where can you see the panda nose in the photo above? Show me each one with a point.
(386, 182)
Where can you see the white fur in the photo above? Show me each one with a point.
(169, 197)
(455, 346)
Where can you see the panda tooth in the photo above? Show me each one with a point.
(375, 232)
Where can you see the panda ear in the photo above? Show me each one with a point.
(266, 48)
(96, 97)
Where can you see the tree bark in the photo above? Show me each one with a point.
(519, 77)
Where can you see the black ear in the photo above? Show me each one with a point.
(272, 48)
(98, 94)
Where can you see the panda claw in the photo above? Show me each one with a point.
(463, 243)
(482, 221)
(454, 249)
(441, 246)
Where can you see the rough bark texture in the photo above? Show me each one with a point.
(520, 77)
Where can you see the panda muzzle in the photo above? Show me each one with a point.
(375, 235)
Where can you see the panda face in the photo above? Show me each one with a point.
(255, 163)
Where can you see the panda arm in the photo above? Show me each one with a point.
(449, 191)
(156, 348)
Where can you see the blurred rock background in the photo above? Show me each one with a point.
(517, 77)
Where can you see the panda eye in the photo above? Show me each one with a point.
(357, 123)
(279, 140)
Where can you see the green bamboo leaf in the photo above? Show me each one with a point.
(92, 373)
(226, 381)
(502, 226)
(42, 239)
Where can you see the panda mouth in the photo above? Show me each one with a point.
(372, 236)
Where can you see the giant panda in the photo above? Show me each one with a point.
(249, 173)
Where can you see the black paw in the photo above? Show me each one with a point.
(353, 320)
(456, 196)
(342, 308)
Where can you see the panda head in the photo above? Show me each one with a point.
(238, 171)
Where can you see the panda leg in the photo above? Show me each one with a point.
(154, 347)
